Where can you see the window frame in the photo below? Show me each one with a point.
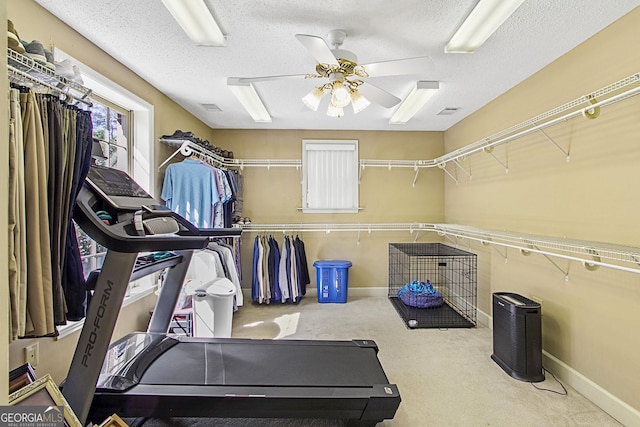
(141, 158)
(337, 183)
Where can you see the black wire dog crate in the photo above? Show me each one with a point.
(453, 275)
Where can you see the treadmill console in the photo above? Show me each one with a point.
(117, 188)
(117, 213)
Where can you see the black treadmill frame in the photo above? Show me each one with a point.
(365, 405)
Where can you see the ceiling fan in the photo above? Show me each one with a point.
(346, 78)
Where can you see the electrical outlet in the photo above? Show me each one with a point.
(32, 354)
(539, 301)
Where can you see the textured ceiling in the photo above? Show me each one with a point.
(261, 41)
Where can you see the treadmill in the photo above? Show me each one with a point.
(152, 374)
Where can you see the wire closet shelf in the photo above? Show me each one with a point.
(590, 254)
(586, 105)
(23, 70)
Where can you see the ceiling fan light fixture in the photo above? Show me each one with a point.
(196, 21)
(414, 102)
(485, 18)
(313, 98)
(250, 100)
(358, 102)
(333, 111)
(340, 94)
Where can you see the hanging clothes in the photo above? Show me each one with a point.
(303, 269)
(199, 192)
(279, 275)
(17, 245)
(56, 136)
(73, 276)
(190, 190)
(39, 283)
(49, 157)
(231, 267)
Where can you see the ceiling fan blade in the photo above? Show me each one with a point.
(418, 65)
(377, 95)
(318, 49)
(269, 78)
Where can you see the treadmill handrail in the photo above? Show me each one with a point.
(119, 236)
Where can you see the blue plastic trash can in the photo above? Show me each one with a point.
(332, 277)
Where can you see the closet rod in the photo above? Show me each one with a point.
(583, 105)
(187, 148)
(35, 80)
(588, 253)
(484, 145)
(589, 101)
(328, 228)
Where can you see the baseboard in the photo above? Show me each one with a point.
(484, 319)
(354, 292)
(312, 292)
(612, 405)
(618, 409)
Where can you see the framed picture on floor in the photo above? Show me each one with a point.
(113, 421)
(20, 377)
(45, 393)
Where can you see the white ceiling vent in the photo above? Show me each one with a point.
(448, 111)
(212, 107)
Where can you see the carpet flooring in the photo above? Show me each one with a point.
(445, 376)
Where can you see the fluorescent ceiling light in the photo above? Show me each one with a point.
(250, 100)
(482, 22)
(414, 102)
(196, 20)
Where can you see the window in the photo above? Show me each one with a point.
(111, 128)
(111, 131)
(123, 124)
(330, 176)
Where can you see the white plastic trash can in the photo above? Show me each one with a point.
(213, 308)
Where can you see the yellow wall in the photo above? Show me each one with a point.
(591, 322)
(56, 354)
(34, 22)
(274, 195)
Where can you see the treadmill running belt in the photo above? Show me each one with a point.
(281, 364)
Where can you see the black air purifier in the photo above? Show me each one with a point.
(517, 336)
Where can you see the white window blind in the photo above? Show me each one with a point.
(330, 176)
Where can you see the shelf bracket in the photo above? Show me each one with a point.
(360, 173)
(489, 150)
(566, 153)
(415, 177)
(566, 273)
(443, 166)
(463, 169)
(487, 242)
(526, 252)
(452, 240)
(183, 148)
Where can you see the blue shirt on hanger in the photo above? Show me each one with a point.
(190, 190)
